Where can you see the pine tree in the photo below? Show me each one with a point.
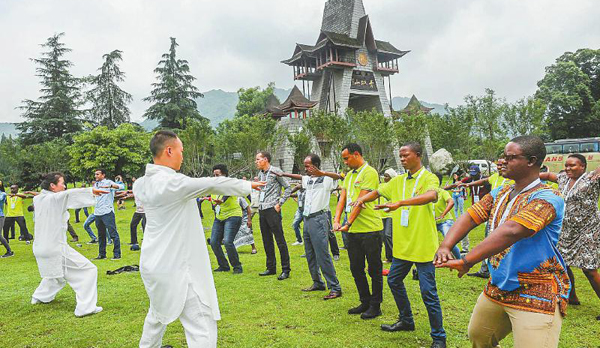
(109, 101)
(56, 112)
(173, 95)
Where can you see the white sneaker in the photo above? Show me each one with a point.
(297, 243)
(97, 310)
(35, 301)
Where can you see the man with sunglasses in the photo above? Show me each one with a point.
(528, 291)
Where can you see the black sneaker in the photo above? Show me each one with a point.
(93, 241)
(438, 344)
(135, 247)
(361, 308)
(221, 269)
(483, 275)
(238, 271)
(100, 258)
(415, 274)
(398, 326)
(8, 254)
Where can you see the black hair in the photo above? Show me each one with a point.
(352, 148)
(101, 170)
(222, 168)
(580, 157)
(532, 146)
(315, 160)
(414, 147)
(50, 178)
(2, 189)
(266, 155)
(159, 140)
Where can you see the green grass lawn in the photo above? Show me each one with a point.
(257, 311)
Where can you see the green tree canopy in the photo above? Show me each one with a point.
(331, 132)
(301, 144)
(253, 101)
(123, 150)
(198, 144)
(375, 133)
(108, 100)
(56, 112)
(174, 95)
(571, 91)
(238, 140)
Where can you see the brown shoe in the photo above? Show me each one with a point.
(314, 287)
(333, 294)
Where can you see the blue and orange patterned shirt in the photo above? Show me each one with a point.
(530, 275)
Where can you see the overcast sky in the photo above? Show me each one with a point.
(457, 47)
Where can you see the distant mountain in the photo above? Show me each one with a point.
(218, 105)
(399, 103)
(8, 129)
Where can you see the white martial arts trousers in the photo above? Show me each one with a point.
(197, 320)
(82, 277)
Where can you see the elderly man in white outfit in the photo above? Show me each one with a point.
(174, 263)
(58, 263)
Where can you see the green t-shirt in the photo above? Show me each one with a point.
(441, 204)
(364, 178)
(418, 241)
(496, 180)
(227, 209)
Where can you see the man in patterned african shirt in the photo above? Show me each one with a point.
(529, 287)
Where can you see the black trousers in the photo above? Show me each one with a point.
(9, 223)
(135, 221)
(270, 226)
(361, 247)
(333, 245)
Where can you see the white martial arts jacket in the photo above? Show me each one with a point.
(174, 252)
(51, 210)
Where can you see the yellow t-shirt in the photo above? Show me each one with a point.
(15, 206)
(383, 200)
(441, 204)
(227, 209)
(418, 241)
(496, 180)
(364, 178)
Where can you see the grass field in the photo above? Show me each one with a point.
(257, 311)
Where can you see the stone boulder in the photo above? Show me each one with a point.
(441, 162)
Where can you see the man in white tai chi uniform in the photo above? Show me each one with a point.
(175, 265)
(58, 263)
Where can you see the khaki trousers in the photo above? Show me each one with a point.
(491, 322)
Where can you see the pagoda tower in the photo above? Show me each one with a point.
(347, 67)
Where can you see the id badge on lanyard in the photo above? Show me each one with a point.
(351, 184)
(13, 203)
(404, 217)
(476, 195)
(217, 209)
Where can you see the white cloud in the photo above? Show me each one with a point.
(458, 47)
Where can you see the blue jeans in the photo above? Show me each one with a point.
(443, 228)
(426, 271)
(86, 226)
(459, 203)
(296, 224)
(224, 232)
(106, 223)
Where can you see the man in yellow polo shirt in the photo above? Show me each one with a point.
(364, 226)
(14, 214)
(412, 196)
(228, 219)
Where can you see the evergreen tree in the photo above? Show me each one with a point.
(173, 95)
(56, 112)
(109, 101)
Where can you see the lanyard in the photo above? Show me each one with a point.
(266, 177)
(351, 184)
(511, 203)
(567, 192)
(414, 188)
(498, 178)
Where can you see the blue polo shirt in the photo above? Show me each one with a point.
(2, 202)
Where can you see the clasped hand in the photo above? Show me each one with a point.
(445, 259)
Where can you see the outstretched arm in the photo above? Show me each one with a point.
(425, 198)
(548, 176)
(503, 237)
